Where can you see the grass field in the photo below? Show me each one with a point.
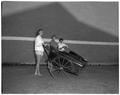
(93, 79)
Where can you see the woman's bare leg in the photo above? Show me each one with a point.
(37, 72)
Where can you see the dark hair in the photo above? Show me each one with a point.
(37, 33)
(53, 36)
(61, 39)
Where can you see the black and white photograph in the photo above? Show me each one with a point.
(59, 47)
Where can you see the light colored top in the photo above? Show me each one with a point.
(39, 44)
(61, 46)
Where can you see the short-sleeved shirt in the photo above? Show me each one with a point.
(39, 44)
(61, 46)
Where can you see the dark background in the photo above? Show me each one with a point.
(56, 18)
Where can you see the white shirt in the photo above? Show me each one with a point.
(39, 44)
(61, 46)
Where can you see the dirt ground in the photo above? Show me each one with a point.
(91, 80)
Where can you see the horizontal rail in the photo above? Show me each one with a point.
(66, 41)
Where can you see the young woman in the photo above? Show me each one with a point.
(39, 50)
(61, 45)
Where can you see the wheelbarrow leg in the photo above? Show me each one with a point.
(50, 71)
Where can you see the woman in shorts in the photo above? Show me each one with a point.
(39, 50)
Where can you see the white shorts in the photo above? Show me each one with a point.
(39, 53)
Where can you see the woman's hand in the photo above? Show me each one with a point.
(46, 44)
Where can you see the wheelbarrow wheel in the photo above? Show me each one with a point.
(59, 64)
